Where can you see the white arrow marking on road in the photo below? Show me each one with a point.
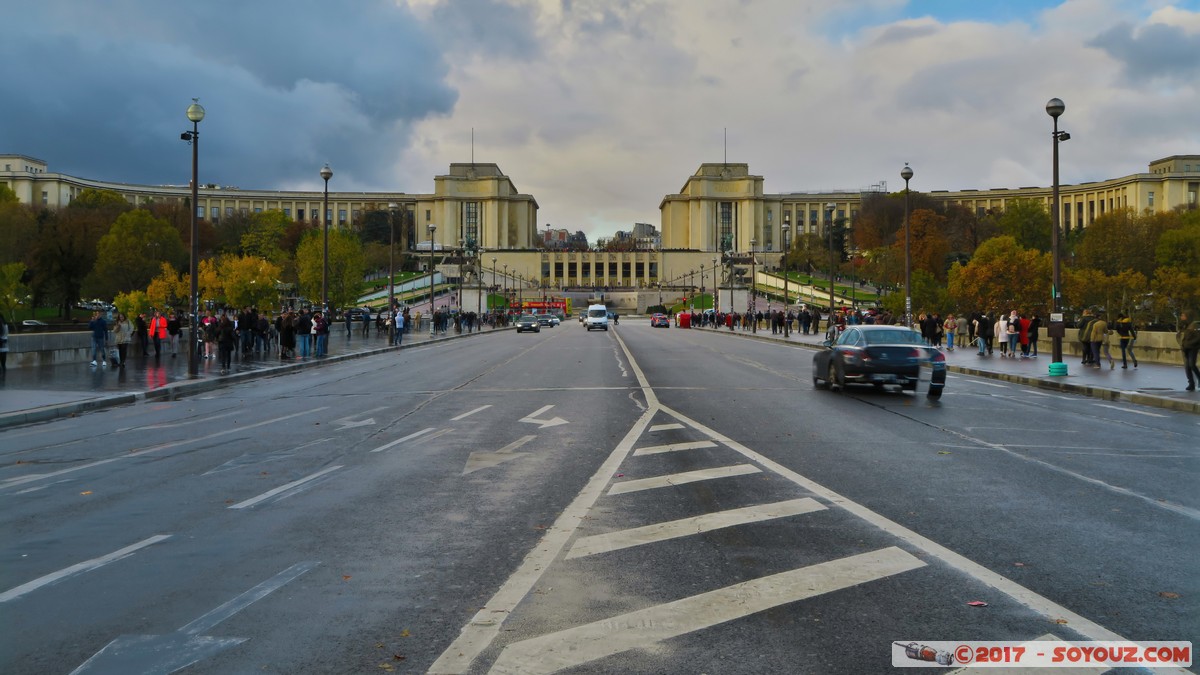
(348, 423)
(178, 650)
(486, 460)
(644, 628)
(552, 422)
(78, 568)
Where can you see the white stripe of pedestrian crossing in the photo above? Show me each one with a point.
(615, 541)
(665, 427)
(656, 449)
(644, 628)
(681, 478)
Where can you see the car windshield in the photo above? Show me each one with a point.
(891, 337)
(598, 313)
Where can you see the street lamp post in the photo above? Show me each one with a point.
(459, 253)
(1055, 107)
(786, 299)
(432, 228)
(701, 287)
(716, 290)
(195, 113)
(506, 307)
(392, 259)
(829, 235)
(495, 283)
(326, 173)
(753, 291)
(907, 173)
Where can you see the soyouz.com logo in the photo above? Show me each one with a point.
(1040, 654)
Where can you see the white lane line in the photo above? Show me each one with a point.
(993, 384)
(478, 635)
(406, 438)
(79, 568)
(1042, 605)
(665, 427)
(284, 488)
(1129, 410)
(470, 412)
(649, 534)
(184, 423)
(644, 628)
(219, 614)
(682, 478)
(656, 449)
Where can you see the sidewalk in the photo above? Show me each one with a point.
(1151, 384)
(47, 392)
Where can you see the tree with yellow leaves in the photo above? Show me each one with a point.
(1002, 276)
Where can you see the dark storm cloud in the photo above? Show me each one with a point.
(487, 26)
(102, 89)
(1155, 52)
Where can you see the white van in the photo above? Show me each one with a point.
(597, 317)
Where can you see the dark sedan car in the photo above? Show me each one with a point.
(528, 322)
(660, 321)
(880, 356)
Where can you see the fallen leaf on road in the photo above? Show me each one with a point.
(404, 633)
(1019, 565)
(1168, 594)
(345, 577)
(386, 666)
(86, 492)
(977, 603)
(943, 452)
(398, 657)
(1060, 621)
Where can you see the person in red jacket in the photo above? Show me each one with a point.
(158, 331)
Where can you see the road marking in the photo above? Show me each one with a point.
(644, 628)
(656, 449)
(682, 478)
(665, 427)
(649, 534)
(487, 460)
(79, 568)
(1037, 603)
(993, 384)
(470, 412)
(1129, 410)
(284, 488)
(483, 628)
(552, 422)
(409, 437)
(175, 651)
(172, 425)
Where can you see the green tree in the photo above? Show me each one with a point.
(1116, 241)
(132, 303)
(7, 196)
(1180, 248)
(169, 288)
(264, 236)
(12, 288)
(65, 250)
(1174, 291)
(346, 266)
(132, 252)
(1001, 276)
(18, 232)
(1027, 222)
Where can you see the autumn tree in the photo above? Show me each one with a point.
(264, 235)
(346, 267)
(1001, 276)
(1180, 248)
(1174, 291)
(12, 287)
(249, 281)
(66, 247)
(169, 288)
(18, 231)
(132, 303)
(927, 245)
(132, 252)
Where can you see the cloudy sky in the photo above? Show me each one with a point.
(599, 108)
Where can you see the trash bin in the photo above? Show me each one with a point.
(685, 320)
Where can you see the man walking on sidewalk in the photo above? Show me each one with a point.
(1189, 341)
(99, 328)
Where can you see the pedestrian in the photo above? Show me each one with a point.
(983, 332)
(950, 326)
(1023, 323)
(366, 321)
(173, 332)
(349, 319)
(211, 328)
(158, 331)
(99, 328)
(1128, 334)
(1035, 325)
(1083, 336)
(143, 336)
(1098, 336)
(122, 335)
(321, 331)
(3, 345)
(287, 336)
(1189, 341)
(399, 327)
(304, 333)
(1000, 330)
(226, 343)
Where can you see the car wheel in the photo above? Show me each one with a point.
(818, 384)
(935, 393)
(835, 382)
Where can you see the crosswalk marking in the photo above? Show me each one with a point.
(656, 449)
(643, 628)
(665, 427)
(681, 478)
(637, 536)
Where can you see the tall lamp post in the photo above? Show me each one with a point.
(829, 235)
(1055, 107)
(506, 307)
(786, 299)
(701, 287)
(432, 228)
(907, 173)
(753, 291)
(495, 283)
(392, 258)
(326, 173)
(716, 290)
(195, 113)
